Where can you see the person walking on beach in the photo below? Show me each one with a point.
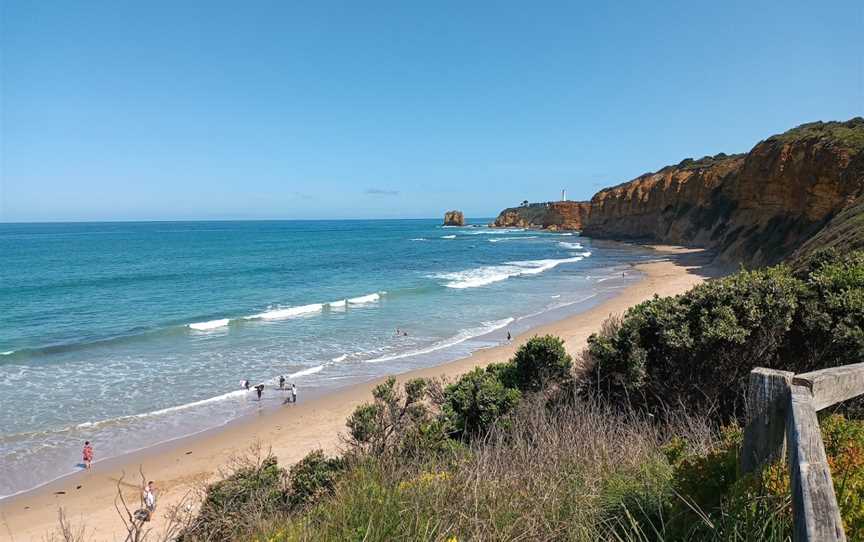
(87, 455)
(293, 393)
(509, 337)
(282, 382)
(258, 389)
(150, 497)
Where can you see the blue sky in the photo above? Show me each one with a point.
(232, 110)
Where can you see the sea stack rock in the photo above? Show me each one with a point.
(454, 218)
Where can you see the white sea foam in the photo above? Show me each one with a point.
(216, 399)
(499, 239)
(482, 276)
(290, 312)
(495, 231)
(338, 359)
(307, 372)
(236, 394)
(7, 353)
(225, 396)
(212, 324)
(419, 239)
(363, 299)
(571, 246)
(565, 234)
(338, 304)
(462, 336)
(448, 237)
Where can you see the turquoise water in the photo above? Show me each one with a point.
(128, 334)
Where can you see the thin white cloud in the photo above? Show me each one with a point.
(381, 192)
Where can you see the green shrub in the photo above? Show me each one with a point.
(695, 350)
(233, 506)
(829, 328)
(541, 361)
(476, 401)
(313, 476)
(383, 426)
(844, 446)
(703, 479)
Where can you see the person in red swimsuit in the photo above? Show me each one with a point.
(88, 455)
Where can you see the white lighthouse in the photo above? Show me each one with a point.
(563, 194)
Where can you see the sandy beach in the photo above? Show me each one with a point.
(177, 467)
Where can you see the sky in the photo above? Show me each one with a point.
(122, 110)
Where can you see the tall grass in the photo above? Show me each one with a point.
(577, 472)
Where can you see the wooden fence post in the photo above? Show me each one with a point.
(814, 504)
(765, 434)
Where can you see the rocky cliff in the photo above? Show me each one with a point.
(454, 218)
(792, 193)
(554, 215)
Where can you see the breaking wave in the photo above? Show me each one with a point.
(495, 231)
(307, 372)
(499, 239)
(571, 246)
(212, 324)
(482, 276)
(289, 312)
(363, 299)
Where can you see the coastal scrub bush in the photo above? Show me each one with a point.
(254, 492)
(476, 401)
(844, 446)
(396, 420)
(541, 361)
(696, 349)
(313, 476)
(829, 328)
(705, 478)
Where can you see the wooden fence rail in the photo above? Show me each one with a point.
(782, 409)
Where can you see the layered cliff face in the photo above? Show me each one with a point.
(791, 194)
(756, 208)
(554, 215)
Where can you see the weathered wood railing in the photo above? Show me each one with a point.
(782, 408)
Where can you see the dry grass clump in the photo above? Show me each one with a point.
(562, 473)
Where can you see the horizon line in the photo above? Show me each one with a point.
(139, 221)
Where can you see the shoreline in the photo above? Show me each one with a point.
(180, 465)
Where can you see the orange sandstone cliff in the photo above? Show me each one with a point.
(792, 193)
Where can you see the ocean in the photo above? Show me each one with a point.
(131, 334)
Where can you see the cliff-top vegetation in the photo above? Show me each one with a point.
(850, 133)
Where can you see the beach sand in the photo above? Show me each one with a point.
(179, 466)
